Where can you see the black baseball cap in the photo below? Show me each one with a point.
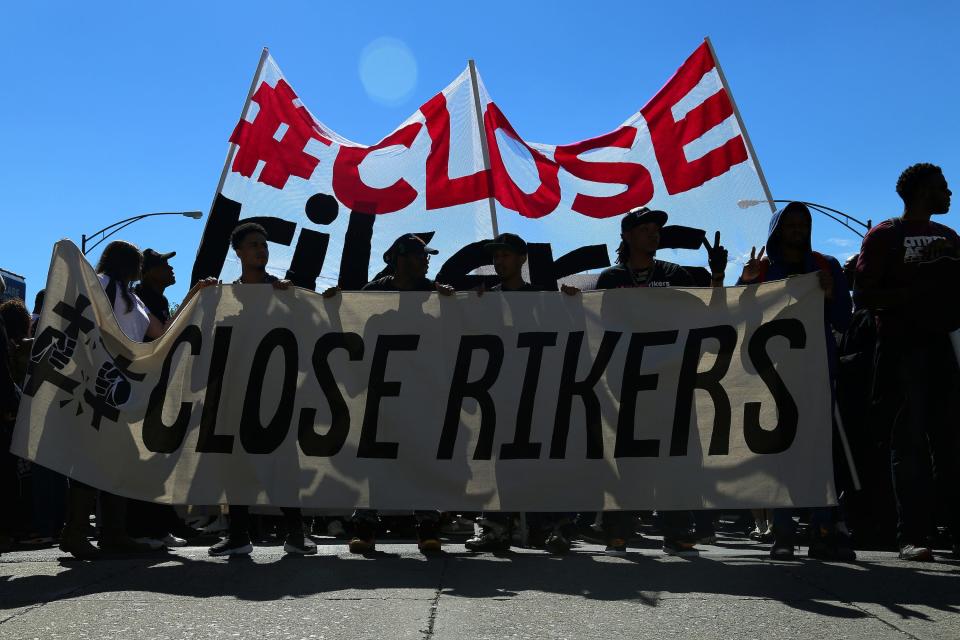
(508, 241)
(153, 259)
(642, 215)
(407, 244)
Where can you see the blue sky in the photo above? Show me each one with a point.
(110, 110)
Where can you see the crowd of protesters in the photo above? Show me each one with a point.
(889, 313)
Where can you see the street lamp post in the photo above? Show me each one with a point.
(117, 226)
(825, 210)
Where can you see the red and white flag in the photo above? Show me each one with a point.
(458, 170)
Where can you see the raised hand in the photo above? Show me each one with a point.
(282, 285)
(444, 289)
(751, 270)
(716, 255)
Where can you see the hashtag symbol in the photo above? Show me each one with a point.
(258, 140)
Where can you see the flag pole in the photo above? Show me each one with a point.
(743, 129)
(483, 143)
(231, 147)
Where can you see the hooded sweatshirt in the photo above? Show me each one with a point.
(837, 311)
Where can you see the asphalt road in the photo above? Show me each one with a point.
(731, 591)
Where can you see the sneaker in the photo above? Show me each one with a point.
(79, 547)
(429, 545)
(916, 553)
(362, 545)
(782, 550)
(364, 538)
(489, 537)
(679, 547)
(558, 544)
(300, 545)
(616, 547)
(231, 547)
(428, 540)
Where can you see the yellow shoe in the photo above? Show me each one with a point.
(429, 545)
(362, 545)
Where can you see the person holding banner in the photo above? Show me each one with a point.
(407, 260)
(249, 242)
(120, 264)
(907, 275)
(789, 253)
(493, 530)
(637, 266)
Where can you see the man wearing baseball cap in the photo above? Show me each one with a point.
(156, 276)
(637, 267)
(493, 530)
(408, 260)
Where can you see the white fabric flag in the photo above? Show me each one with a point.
(332, 206)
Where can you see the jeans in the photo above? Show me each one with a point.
(925, 430)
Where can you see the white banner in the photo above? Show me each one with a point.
(631, 398)
(457, 172)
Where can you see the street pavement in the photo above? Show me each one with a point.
(728, 591)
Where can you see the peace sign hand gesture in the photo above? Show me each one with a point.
(716, 256)
(751, 270)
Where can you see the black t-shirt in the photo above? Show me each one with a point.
(661, 274)
(155, 302)
(526, 286)
(386, 283)
(267, 279)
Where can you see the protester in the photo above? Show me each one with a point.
(249, 241)
(149, 523)
(494, 530)
(407, 260)
(9, 403)
(637, 266)
(907, 275)
(119, 265)
(789, 253)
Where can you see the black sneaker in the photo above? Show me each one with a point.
(916, 553)
(680, 547)
(232, 547)
(782, 550)
(489, 538)
(616, 547)
(557, 543)
(300, 545)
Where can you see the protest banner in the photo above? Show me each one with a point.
(458, 173)
(632, 398)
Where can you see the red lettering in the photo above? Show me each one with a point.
(350, 188)
(669, 136)
(255, 140)
(635, 176)
(533, 205)
(441, 190)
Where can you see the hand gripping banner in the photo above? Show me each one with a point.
(458, 172)
(623, 399)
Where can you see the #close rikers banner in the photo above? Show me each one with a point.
(331, 207)
(647, 398)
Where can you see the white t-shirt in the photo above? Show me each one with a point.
(135, 322)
